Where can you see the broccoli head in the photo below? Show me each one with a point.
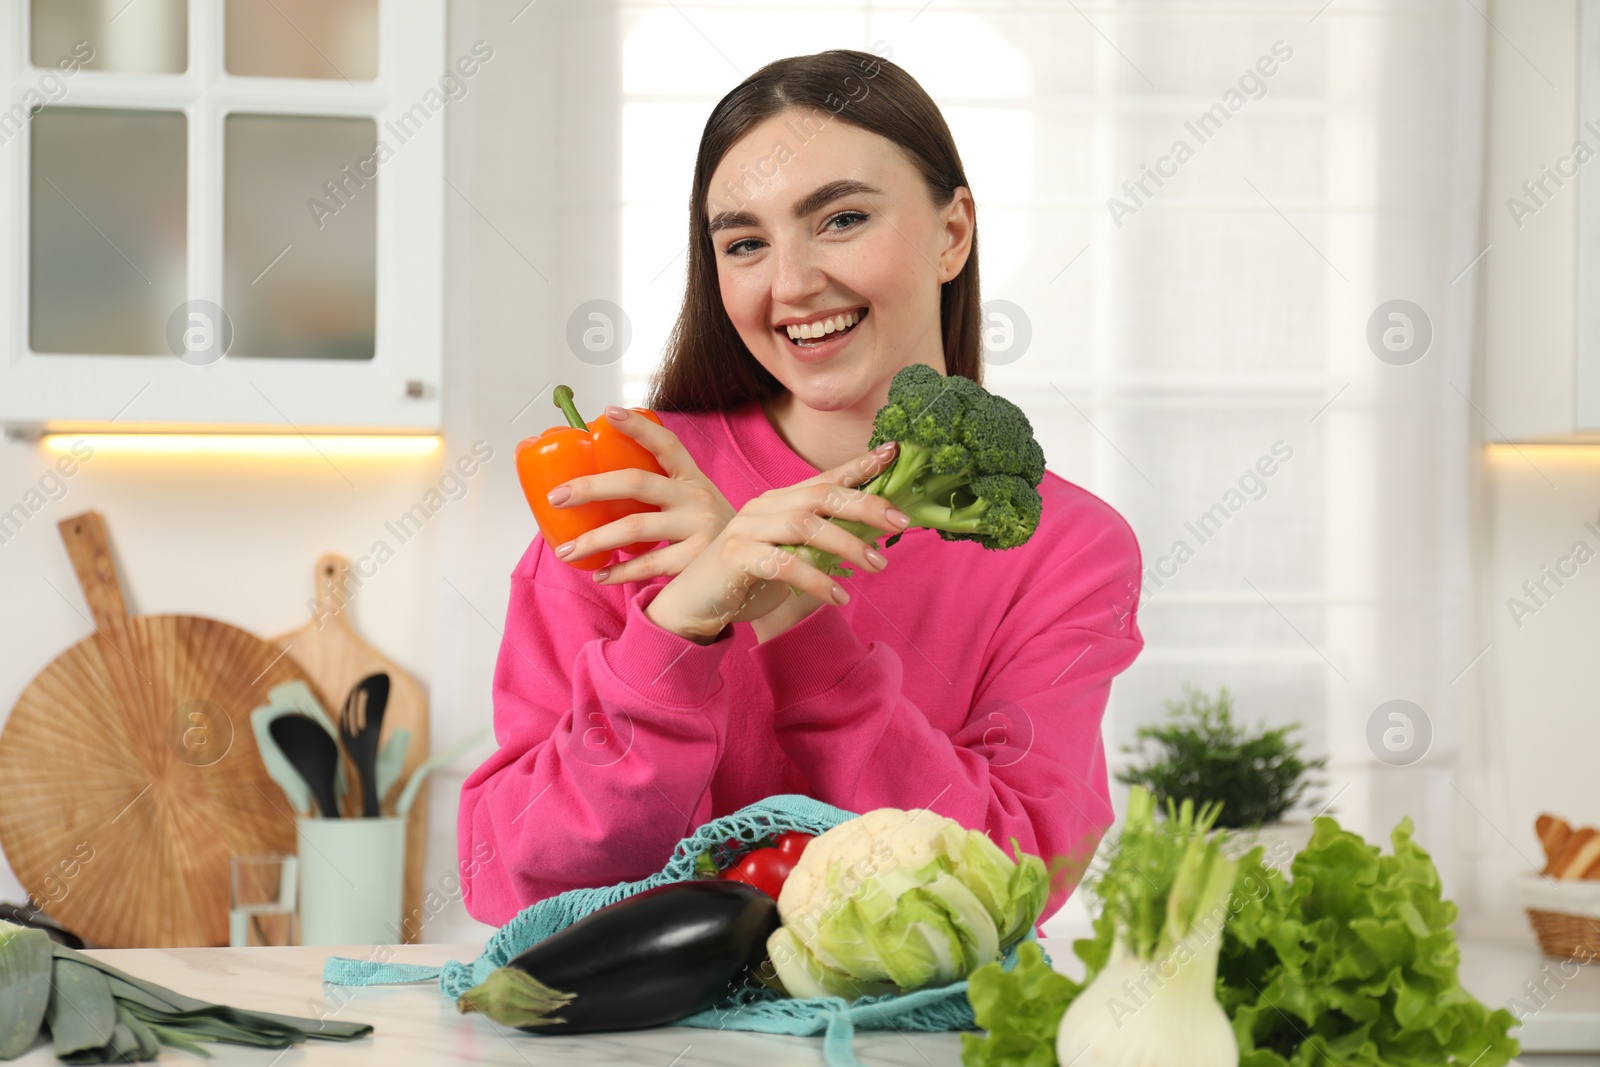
(967, 465)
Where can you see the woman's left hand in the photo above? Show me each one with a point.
(693, 510)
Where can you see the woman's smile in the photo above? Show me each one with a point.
(805, 343)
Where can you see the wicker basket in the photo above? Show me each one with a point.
(1565, 915)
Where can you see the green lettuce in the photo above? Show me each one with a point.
(1021, 1009)
(1353, 961)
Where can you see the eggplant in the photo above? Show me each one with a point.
(647, 960)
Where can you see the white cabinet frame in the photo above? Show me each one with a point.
(397, 391)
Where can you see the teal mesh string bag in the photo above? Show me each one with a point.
(751, 1007)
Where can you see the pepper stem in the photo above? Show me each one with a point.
(563, 396)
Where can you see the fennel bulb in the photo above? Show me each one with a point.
(1154, 1002)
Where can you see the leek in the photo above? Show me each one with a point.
(24, 987)
(98, 1014)
(1152, 1000)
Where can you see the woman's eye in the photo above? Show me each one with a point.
(855, 217)
(847, 215)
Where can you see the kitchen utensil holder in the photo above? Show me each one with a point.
(352, 873)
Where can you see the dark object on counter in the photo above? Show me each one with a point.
(360, 724)
(313, 753)
(24, 915)
(647, 960)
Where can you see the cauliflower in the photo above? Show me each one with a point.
(895, 900)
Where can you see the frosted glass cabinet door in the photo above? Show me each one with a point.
(303, 38)
(148, 37)
(196, 214)
(106, 259)
(299, 272)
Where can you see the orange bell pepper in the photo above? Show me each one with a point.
(562, 453)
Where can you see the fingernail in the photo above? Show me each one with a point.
(614, 412)
(564, 551)
(601, 574)
(885, 448)
(559, 494)
(875, 558)
(840, 596)
(898, 517)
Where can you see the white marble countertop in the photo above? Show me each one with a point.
(1558, 1003)
(415, 1024)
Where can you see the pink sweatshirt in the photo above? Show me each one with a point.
(960, 679)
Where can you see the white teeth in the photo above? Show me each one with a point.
(824, 326)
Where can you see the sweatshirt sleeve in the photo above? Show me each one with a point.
(609, 728)
(1027, 763)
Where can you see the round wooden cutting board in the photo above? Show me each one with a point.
(129, 771)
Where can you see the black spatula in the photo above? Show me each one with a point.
(360, 725)
(313, 753)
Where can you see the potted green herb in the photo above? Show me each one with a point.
(1258, 776)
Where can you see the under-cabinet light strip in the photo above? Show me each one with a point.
(310, 445)
(1580, 450)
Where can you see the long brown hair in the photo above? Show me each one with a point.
(707, 365)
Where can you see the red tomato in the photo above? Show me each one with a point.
(768, 868)
(793, 843)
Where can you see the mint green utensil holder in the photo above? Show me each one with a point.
(352, 872)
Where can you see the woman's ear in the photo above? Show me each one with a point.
(959, 224)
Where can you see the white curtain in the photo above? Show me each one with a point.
(1208, 327)
(1188, 336)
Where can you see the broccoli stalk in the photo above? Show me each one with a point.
(967, 466)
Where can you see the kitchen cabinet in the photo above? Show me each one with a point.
(225, 215)
(1586, 385)
(1537, 264)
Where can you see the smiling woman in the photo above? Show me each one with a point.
(795, 184)
(833, 245)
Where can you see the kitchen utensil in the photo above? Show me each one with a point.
(360, 723)
(352, 875)
(295, 789)
(314, 755)
(408, 795)
(128, 775)
(286, 699)
(391, 757)
(335, 658)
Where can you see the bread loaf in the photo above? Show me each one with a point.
(1553, 832)
(1569, 854)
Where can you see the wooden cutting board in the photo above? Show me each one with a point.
(335, 657)
(129, 772)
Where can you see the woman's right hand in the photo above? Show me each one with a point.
(743, 574)
(691, 510)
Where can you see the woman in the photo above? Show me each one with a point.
(633, 705)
